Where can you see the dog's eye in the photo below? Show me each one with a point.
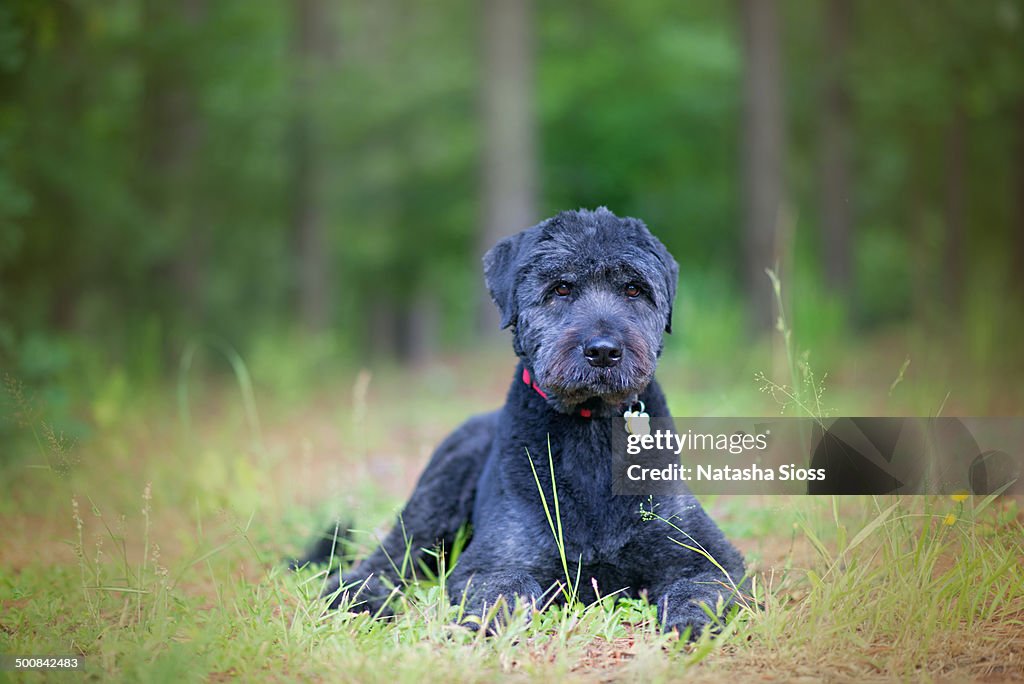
(563, 289)
(632, 290)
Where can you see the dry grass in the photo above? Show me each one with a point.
(196, 591)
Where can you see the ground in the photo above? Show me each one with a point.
(153, 545)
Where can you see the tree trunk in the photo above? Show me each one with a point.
(954, 261)
(763, 149)
(172, 138)
(63, 269)
(422, 323)
(509, 158)
(1017, 227)
(383, 331)
(313, 48)
(835, 137)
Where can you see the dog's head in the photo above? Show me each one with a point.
(589, 295)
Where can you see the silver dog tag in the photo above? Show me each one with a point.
(638, 422)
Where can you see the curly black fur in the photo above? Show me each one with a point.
(578, 276)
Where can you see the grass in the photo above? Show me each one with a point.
(570, 591)
(155, 551)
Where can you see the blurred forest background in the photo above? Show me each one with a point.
(319, 179)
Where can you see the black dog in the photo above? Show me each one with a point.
(589, 296)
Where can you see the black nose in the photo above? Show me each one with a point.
(602, 352)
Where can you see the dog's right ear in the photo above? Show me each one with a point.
(500, 266)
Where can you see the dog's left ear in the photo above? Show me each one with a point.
(500, 265)
(670, 270)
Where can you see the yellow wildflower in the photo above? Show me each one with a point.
(950, 519)
(959, 496)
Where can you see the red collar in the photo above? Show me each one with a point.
(584, 412)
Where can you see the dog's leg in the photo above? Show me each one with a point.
(440, 504)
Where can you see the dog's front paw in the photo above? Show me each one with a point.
(698, 603)
(490, 598)
(683, 615)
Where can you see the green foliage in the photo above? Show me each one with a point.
(149, 179)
